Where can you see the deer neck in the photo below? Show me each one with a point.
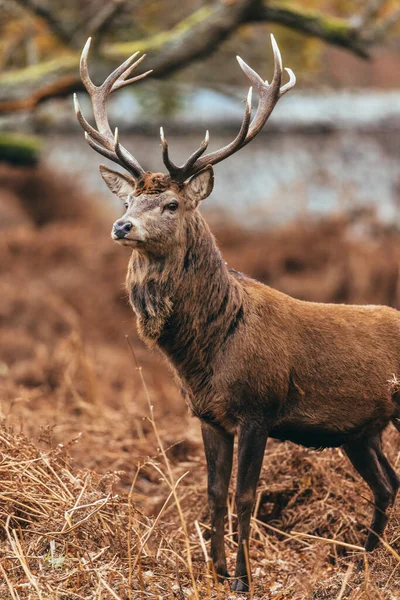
(188, 303)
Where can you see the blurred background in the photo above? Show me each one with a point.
(331, 144)
(311, 207)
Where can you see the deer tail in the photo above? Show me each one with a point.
(394, 388)
(396, 422)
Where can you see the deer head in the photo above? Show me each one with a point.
(157, 205)
(156, 208)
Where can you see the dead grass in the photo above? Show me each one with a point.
(103, 496)
(66, 533)
(71, 533)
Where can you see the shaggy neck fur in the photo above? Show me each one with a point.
(188, 304)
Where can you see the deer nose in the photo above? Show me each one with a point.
(121, 228)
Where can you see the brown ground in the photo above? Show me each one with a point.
(67, 376)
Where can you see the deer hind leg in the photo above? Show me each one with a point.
(218, 446)
(368, 459)
(388, 469)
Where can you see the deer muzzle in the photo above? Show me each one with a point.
(121, 229)
(127, 232)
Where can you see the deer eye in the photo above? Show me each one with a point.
(172, 206)
(126, 204)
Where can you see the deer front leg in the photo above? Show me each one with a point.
(252, 440)
(218, 446)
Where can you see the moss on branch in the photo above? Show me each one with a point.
(196, 36)
(330, 29)
(157, 41)
(20, 150)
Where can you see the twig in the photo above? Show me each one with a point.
(129, 539)
(328, 541)
(16, 547)
(345, 581)
(250, 579)
(202, 544)
(113, 594)
(11, 589)
(147, 536)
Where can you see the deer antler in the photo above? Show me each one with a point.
(106, 143)
(269, 95)
(102, 139)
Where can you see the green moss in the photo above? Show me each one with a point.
(69, 63)
(21, 150)
(332, 26)
(159, 39)
(59, 65)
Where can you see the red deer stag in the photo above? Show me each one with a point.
(250, 360)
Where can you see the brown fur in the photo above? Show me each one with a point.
(153, 183)
(246, 348)
(256, 362)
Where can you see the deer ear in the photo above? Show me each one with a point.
(118, 183)
(200, 186)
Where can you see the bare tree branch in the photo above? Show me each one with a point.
(195, 37)
(378, 32)
(97, 26)
(43, 12)
(369, 13)
(357, 34)
(192, 38)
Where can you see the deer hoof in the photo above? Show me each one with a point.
(239, 586)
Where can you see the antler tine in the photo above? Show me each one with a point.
(124, 69)
(194, 164)
(181, 173)
(255, 78)
(172, 168)
(237, 143)
(276, 80)
(196, 154)
(292, 81)
(120, 84)
(251, 74)
(269, 95)
(102, 139)
(116, 156)
(125, 156)
(130, 69)
(83, 68)
(102, 150)
(101, 93)
(123, 81)
(85, 124)
(215, 157)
